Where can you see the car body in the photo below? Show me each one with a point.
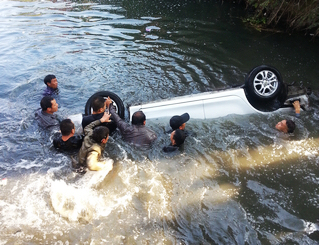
(202, 106)
(263, 92)
(209, 105)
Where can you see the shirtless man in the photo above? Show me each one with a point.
(287, 125)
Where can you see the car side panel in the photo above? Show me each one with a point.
(194, 108)
(201, 106)
(223, 106)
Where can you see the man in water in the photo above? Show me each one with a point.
(136, 133)
(287, 125)
(177, 139)
(52, 85)
(45, 116)
(93, 145)
(67, 141)
(98, 106)
(179, 122)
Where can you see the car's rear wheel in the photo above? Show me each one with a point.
(117, 102)
(264, 83)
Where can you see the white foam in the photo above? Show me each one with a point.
(79, 200)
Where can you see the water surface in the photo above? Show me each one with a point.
(236, 180)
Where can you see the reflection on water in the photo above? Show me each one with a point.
(236, 180)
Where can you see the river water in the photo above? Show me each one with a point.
(236, 181)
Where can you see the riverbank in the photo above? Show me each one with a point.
(291, 16)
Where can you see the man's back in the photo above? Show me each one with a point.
(86, 120)
(88, 147)
(138, 135)
(73, 143)
(90, 150)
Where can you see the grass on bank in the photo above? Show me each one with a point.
(292, 15)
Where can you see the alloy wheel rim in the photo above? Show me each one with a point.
(265, 83)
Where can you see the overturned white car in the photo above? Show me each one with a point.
(263, 92)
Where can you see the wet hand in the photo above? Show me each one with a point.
(105, 118)
(296, 105)
(108, 101)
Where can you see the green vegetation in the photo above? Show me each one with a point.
(299, 15)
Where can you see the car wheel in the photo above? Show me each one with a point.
(264, 83)
(117, 102)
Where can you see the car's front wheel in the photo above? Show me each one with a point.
(264, 83)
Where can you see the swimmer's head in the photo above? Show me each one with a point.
(98, 104)
(51, 81)
(138, 118)
(100, 134)
(178, 137)
(179, 122)
(67, 127)
(286, 126)
(49, 105)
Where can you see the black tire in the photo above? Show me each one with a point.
(264, 83)
(116, 101)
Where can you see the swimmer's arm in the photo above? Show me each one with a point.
(94, 164)
(296, 105)
(120, 123)
(88, 130)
